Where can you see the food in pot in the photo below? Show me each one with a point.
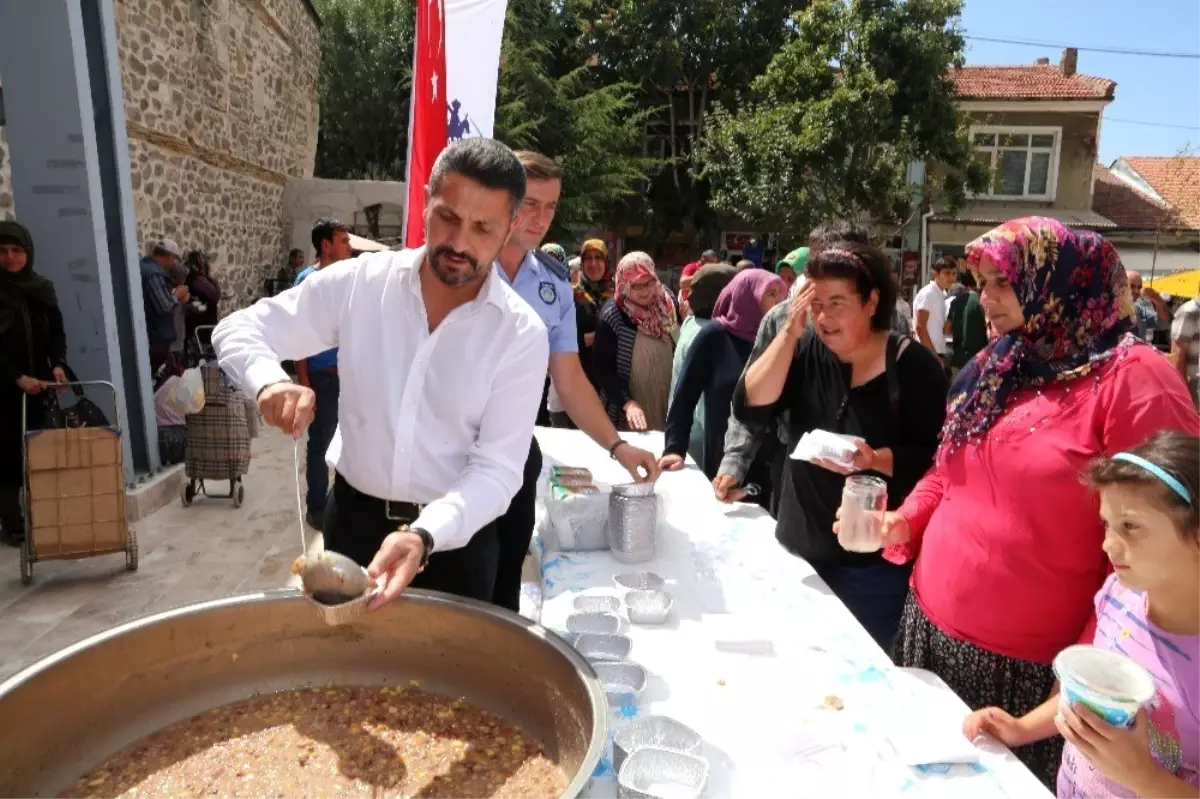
(332, 741)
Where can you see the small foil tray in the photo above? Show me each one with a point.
(595, 623)
(596, 647)
(639, 581)
(620, 679)
(659, 773)
(597, 604)
(654, 731)
(648, 607)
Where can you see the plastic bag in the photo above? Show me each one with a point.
(577, 515)
(187, 396)
(824, 445)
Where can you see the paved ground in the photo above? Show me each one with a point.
(187, 555)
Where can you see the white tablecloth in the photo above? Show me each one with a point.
(755, 645)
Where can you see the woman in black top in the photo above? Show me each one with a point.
(33, 350)
(205, 293)
(595, 288)
(848, 374)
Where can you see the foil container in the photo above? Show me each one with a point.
(656, 731)
(596, 647)
(597, 604)
(639, 581)
(598, 623)
(620, 679)
(632, 522)
(648, 607)
(658, 773)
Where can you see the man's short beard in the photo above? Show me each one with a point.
(445, 275)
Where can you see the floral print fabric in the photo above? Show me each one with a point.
(656, 318)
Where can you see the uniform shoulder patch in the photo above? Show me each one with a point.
(547, 292)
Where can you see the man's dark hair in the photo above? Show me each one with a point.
(485, 161)
(944, 263)
(865, 267)
(324, 229)
(835, 230)
(295, 251)
(709, 254)
(967, 279)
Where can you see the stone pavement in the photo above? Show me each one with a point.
(206, 551)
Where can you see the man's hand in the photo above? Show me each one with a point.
(671, 462)
(287, 406)
(181, 293)
(1121, 755)
(31, 385)
(727, 488)
(395, 565)
(797, 316)
(60, 375)
(636, 461)
(635, 416)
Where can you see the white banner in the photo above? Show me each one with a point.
(474, 29)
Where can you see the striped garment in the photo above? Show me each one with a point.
(1186, 330)
(1174, 662)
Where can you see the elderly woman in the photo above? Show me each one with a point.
(1006, 537)
(713, 366)
(849, 374)
(635, 342)
(33, 350)
(205, 295)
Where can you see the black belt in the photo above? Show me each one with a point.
(393, 510)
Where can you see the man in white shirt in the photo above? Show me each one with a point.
(930, 306)
(441, 367)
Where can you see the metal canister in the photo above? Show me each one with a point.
(632, 522)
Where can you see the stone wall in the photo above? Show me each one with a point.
(221, 109)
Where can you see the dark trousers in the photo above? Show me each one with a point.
(874, 594)
(160, 353)
(324, 384)
(355, 525)
(515, 531)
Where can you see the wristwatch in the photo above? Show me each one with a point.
(427, 541)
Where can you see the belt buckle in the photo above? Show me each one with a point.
(398, 516)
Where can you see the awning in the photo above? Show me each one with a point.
(359, 244)
(981, 214)
(1177, 284)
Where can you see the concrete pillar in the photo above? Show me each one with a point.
(70, 174)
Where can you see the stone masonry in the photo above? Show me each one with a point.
(221, 109)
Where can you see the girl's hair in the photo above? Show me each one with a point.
(1174, 453)
(865, 267)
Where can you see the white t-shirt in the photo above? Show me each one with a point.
(933, 299)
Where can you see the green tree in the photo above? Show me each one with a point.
(861, 90)
(364, 84)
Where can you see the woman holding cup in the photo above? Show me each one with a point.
(848, 374)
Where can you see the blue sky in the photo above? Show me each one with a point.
(1159, 90)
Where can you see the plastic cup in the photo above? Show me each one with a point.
(864, 501)
(1110, 685)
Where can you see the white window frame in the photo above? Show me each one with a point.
(1022, 130)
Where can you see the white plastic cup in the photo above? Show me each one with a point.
(1109, 684)
(864, 501)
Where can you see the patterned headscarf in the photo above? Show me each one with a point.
(594, 292)
(657, 318)
(556, 252)
(1078, 313)
(739, 308)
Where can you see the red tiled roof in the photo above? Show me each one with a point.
(1130, 208)
(1176, 179)
(1028, 83)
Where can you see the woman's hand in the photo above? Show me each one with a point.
(1121, 755)
(865, 460)
(998, 723)
(589, 339)
(635, 416)
(60, 376)
(895, 529)
(31, 385)
(797, 317)
(670, 462)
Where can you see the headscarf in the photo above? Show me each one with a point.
(555, 251)
(656, 319)
(17, 288)
(575, 267)
(739, 308)
(197, 263)
(707, 284)
(797, 259)
(1078, 314)
(594, 292)
(595, 244)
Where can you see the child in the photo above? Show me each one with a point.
(1148, 610)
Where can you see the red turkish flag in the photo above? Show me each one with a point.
(427, 115)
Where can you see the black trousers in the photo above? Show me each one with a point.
(355, 525)
(515, 531)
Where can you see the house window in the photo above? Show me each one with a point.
(1023, 161)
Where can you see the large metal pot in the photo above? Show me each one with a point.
(68, 712)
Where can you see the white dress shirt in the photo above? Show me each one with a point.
(443, 418)
(932, 299)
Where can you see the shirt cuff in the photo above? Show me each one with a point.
(441, 520)
(261, 374)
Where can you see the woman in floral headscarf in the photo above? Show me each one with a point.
(635, 342)
(1006, 537)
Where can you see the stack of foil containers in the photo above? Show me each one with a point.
(632, 522)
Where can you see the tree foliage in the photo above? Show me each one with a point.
(364, 84)
(860, 91)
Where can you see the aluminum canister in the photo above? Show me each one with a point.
(632, 522)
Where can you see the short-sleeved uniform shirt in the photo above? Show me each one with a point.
(328, 358)
(551, 297)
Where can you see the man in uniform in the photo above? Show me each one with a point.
(543, 282)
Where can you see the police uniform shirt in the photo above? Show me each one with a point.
(542, 282)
